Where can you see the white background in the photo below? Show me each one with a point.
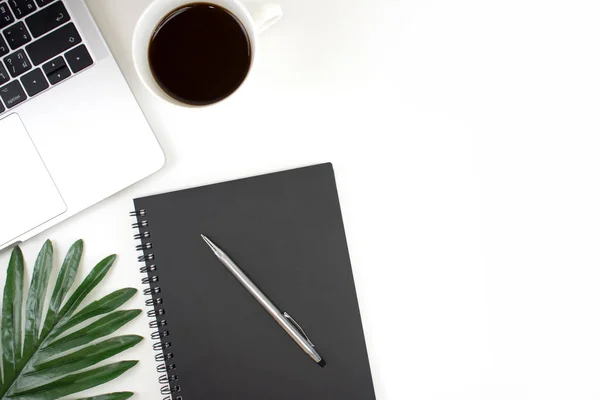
(465, 139)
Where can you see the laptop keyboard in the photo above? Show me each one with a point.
(39, 48)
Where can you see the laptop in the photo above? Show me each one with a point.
(71, 132)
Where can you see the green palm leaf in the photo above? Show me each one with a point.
(52, 360)
(75, 383)
(11, 316)
(65, 280)
(37, 294)
(102, 327)
(103, 306)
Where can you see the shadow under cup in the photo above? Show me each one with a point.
(199, 54)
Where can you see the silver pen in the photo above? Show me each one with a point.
(283, 319)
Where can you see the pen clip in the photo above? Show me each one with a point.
(298, 327)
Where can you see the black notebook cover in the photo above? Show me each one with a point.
(285, 231)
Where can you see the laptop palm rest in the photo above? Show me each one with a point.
(28, 196)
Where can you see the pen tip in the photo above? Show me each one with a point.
(207, 240)
(322, 363)
(210, 244)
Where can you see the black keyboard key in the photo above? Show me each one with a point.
(79, 58)
(17, 35)
(2, 109)
(4, 50)
(12, 94)
(53, 65)
(59, 75)
(17, 63)
(22, 8)
(47, 19)
(42, 3)
(3, 75)
(53, 44)
(6, 17)
(34, 82)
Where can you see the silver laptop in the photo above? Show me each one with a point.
(71, 132)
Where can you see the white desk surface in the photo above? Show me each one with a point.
(465, 137)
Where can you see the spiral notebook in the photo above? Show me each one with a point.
(213, 340)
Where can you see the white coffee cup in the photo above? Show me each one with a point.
(255, 23)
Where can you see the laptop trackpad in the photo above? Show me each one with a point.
(28, 196)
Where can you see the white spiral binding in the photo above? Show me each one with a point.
(167, 378)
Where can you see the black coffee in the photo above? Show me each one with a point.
(200, 53)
